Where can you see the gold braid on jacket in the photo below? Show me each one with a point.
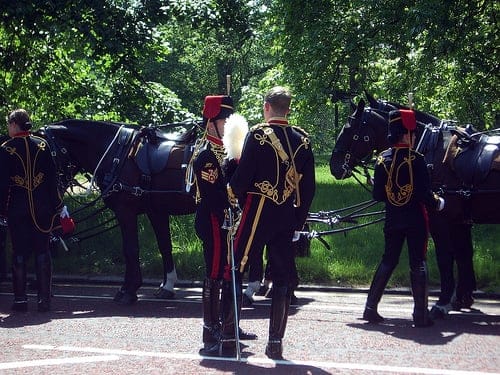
(402, 194)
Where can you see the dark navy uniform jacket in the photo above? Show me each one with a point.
(28, 183)
(276, 172)
(409, 193)
(265, 168)
(211, 196)
(210, 182)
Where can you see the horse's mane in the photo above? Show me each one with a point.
(385, 106)
(80, 122)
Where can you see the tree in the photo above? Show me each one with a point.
(66, 59)
(445, 53)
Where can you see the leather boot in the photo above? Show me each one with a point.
(44, 279)
(19, 284)
(211, 312)
(226, 347)
(377, 287)
(277, 322)
(420, 291)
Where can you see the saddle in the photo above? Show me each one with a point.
(151, 154)
(152, 149)
(473, 155)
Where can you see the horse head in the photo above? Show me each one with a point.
(75, 147)
(385, 106)
(364, 133)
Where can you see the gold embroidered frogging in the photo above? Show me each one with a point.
(27, 179)
(270, 189)
(24, 182)
(398, 195)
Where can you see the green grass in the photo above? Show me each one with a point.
(351, 260)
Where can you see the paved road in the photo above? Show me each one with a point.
(88, 333)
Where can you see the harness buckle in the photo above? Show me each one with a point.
(137, 191)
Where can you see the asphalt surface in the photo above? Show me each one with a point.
(86, 332)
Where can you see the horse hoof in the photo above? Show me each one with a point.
(125, 298)
(438, 312)
(164, 294)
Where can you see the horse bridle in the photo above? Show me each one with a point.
(349, 157)
(66, 169)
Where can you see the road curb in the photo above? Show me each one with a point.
(310, 287)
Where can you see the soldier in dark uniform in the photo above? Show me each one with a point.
(29, 204)
(3, 238)
(276, 173)
(402, 181)
(212, 201)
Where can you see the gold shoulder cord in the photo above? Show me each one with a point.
(276, 143)
(296, 177)
(190, 176)
(403, 193)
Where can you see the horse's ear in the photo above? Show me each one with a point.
(371, 99)
(361, 106)
(353, 105)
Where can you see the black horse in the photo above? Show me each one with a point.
(138, 171)
(464, 168)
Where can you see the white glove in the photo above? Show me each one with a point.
(64, 212)
(440, 204)
(296, 236)
(3, 221)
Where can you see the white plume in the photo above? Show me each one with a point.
(235, 131)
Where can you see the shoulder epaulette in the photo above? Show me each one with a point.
(259, 126)
(383, 155)
(300, 130)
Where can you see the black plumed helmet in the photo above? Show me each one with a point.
(217, 107)
(401, 121)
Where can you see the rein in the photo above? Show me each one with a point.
(335, 217)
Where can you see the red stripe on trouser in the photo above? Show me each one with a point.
(243, 219)
(217, 249)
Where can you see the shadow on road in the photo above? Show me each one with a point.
(442, 332)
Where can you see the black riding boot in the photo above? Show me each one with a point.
(19, 284)
(211, 312)
(420, 291)
(277, 322)
(226, 347)
(377, 287)
(44, 280)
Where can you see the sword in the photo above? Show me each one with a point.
(231, 227)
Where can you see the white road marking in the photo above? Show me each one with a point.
(57, 361)
(256, 360)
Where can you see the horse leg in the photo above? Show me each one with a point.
(127, 294)
(466, 284)
(441, 235)
(161, 227)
